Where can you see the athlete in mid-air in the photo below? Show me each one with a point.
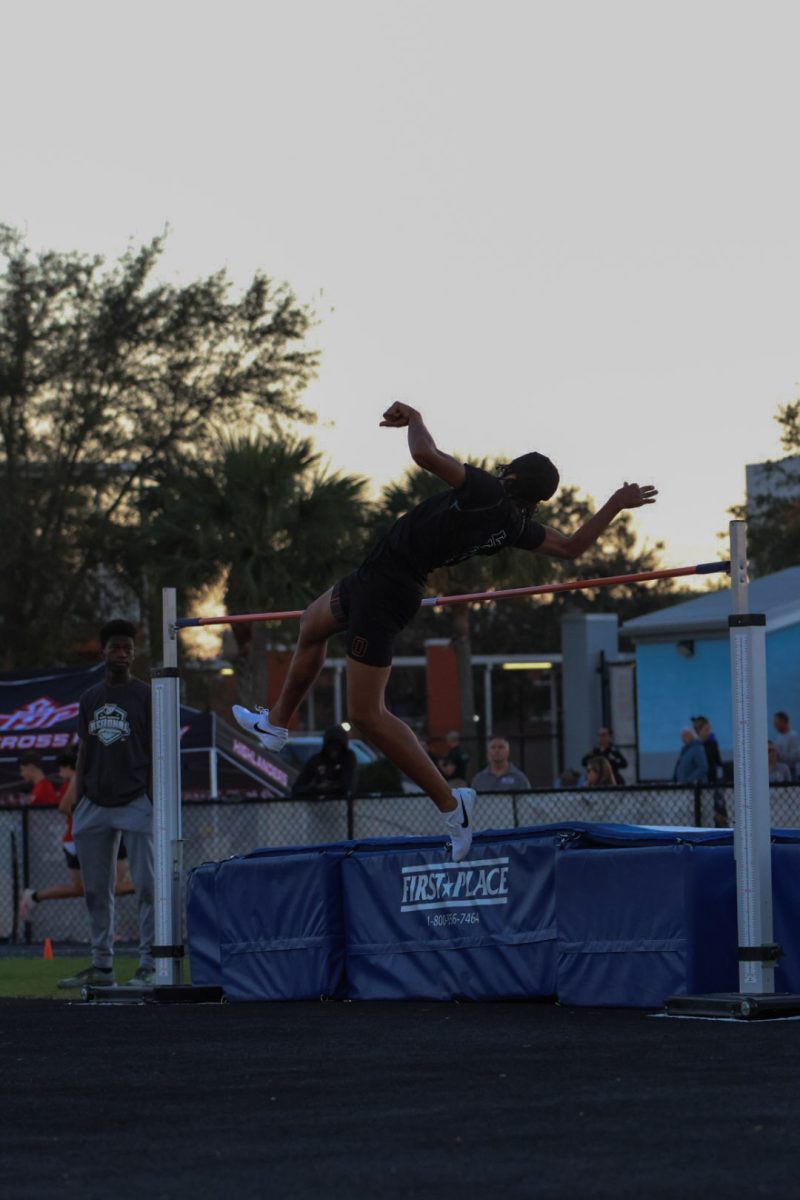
(480, 513)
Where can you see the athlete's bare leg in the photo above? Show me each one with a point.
(63, 891)
(74, 889)
(124, 884)
(366, 708)
(316, 626)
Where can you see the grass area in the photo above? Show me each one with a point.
(36, 978)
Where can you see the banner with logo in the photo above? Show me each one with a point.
(419, 926)
(39, 711)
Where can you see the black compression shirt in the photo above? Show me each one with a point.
(476, 518)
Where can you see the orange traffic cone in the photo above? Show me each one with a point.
(47, 951)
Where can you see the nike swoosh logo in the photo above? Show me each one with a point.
(465, 822)
(258, 729)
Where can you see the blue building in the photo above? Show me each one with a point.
(683, 666)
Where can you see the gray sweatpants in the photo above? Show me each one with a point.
(97, 832)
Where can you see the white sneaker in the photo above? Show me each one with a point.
(459, 823)
(272, 737)
(145, 977)
(27, 905)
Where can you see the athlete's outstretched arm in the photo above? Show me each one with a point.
(560, 545)
(424, 450)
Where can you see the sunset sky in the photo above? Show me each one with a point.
(567, 226)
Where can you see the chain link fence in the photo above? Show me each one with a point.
(31, 853)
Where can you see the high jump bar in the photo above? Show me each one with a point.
(541, 589)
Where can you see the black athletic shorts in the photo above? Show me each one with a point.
(73, 862)
(372, 608)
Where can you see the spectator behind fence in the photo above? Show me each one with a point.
(702, 727)
(499, 774)
(568, 778)
(606, 749)
(112, 790)
(425, 743)
(450, 771)
(692, 764)
(599, 772)
(32, 771)
(778, 771)
(787, 743)
(31, 897)
(457, 756)
(330, 774)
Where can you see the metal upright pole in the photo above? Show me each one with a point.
(167, 843)
(752, 834)
(739, 571)
(488, 711)
(338, 710)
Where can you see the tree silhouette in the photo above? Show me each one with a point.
(263, 512)
(773, 515)
(108, 380)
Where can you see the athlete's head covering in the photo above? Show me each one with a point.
(536, 478)
(335, 742)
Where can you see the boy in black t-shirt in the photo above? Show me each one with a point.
(109, 797)
(479, 514)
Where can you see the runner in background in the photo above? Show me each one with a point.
(32, 771)
(32, 897)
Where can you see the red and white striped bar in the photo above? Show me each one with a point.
(542, 589)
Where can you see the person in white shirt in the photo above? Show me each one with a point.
(787, 743)
(778, 771)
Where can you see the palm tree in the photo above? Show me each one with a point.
(266, 513)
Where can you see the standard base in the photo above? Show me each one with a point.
(744, 1006)
(185, 993)
(169, 994)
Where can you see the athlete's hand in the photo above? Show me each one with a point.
(398, 415)
(634, 495)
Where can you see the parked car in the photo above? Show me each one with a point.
(300, 747)
(376, 774)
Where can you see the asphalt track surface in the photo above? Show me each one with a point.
(393, 1100)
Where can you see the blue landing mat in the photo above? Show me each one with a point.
(595, 914)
